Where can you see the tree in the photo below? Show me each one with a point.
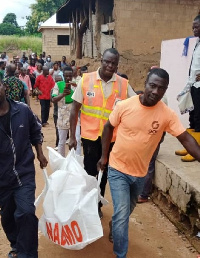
(9, 29)
(10, 18)
(40, 12)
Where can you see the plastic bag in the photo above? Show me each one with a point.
(70, 205)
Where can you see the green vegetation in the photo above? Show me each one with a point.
(9, 25)
(40, 12)
(8, 43)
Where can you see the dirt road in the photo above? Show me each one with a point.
(151, 235)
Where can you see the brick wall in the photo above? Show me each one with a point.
(49, 44)
(140, 27)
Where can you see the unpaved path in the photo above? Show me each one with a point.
(151, 235)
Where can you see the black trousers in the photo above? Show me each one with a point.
(55, 119)
(45, 107)
(92, 153)
(18, 219)
(194, 116)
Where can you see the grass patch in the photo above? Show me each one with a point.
(32, 43)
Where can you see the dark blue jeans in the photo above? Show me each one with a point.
(19, 221)
(124, 191)
(45, 107)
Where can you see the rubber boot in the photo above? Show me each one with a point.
(183, 152)
(188, 157)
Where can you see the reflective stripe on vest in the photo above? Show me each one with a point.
(96, 108)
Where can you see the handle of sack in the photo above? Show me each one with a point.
(44, 191)
(100, 177)
(101, 198)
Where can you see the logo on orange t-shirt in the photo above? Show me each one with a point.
(155, 126)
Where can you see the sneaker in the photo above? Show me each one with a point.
(110, 236)
(67, 141)
(142, 200)
(56, 148)
(100, 213)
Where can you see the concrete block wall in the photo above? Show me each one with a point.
(49, 43)
(140, 27)
(177, 189)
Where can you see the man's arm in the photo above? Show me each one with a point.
(190, 144)
(106, 140)
(40, 156)
(73, 122)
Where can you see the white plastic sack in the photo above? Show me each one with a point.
(70, 205)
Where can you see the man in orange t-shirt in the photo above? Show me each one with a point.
(141, 121)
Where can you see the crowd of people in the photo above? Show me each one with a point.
(120, 131)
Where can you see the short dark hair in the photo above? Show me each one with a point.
(138, 92)
(20, 64)
(83, 68)
(160, 73)
(123, 75)
(112, 50)
(197, 18)
(1, 63)
(67, 68)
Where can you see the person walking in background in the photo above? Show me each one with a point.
(38, 70)
(64, 62)
(40, 60)
(58, 78)
(43, 85)
(23, 60)
(25, 78)
(48, 62)
(30, 71)
(63, 109)
(76, 78)
(19, 125)
(73, 64)
(25, 98)
(134, 146)
(96, 95)
(193, 85)
(15, 87)
(2, 70)
(44, 56)
(55, 71)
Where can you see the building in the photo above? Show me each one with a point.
(135, 27)
(55, 38)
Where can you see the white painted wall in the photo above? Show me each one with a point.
(178, 68)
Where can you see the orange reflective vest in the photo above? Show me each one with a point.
(96, 108)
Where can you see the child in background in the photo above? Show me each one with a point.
(63, 109)
(58, 78)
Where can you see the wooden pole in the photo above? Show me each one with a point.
(91, 26)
